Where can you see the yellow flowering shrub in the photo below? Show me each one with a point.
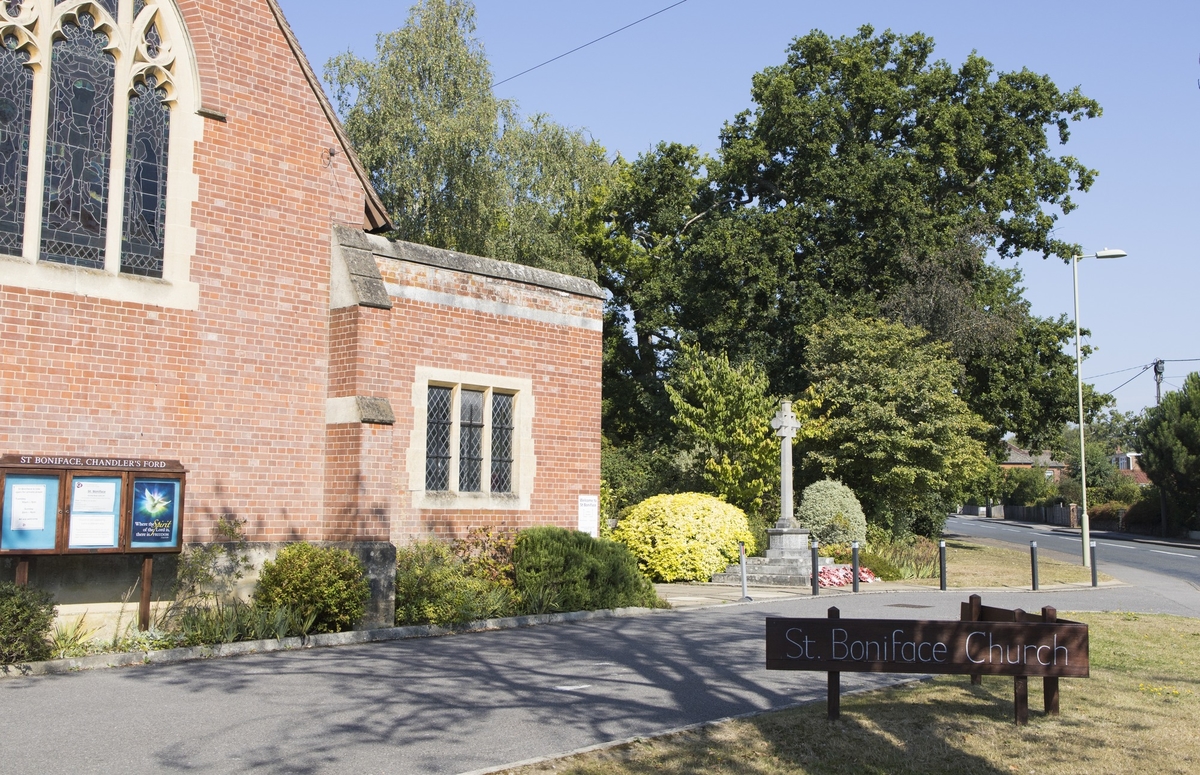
(684, 537)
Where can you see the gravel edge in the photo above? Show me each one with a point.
(326, 640)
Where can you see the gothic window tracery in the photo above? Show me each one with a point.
(16, 93)
(98, 161)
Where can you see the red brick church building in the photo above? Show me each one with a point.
(189, 272)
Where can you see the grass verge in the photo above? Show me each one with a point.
(1138, 712)
(979, 565)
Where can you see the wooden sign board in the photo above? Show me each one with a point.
(86, 504)
(914, 646)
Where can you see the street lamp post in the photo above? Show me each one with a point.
(1083, 519)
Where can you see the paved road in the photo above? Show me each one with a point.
(453, 704)
(1175, 559)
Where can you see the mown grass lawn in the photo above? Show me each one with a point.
(1138, 712)
(977, 565)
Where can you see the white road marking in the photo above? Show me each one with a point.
(1118, 546)
(1175, 554)
(571, 688)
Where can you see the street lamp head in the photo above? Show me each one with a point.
(1106, 253)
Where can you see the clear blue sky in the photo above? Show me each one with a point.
(682, 74)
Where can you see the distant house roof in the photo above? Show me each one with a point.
(1020, 457)
(1137, 475)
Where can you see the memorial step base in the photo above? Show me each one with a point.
(774, 571)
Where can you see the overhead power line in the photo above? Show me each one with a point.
(1131, 379)
(1118, 371)
(590, 42)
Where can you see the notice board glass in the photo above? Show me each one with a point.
(94, 521)
(157, 504)
(30, 517)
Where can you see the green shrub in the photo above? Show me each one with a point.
(831, 513)
(486, 553)
(26, 615)
(434, 586)
(879, 565)
(684, 537)
(326, 584)
(567, 570)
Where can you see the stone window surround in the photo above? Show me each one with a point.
(175, 289)
(524, 461)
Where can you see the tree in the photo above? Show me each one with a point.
(1169, 440)
(456, 167)
(866, 175)
(424, 121)
(882, 415)
(723, 413)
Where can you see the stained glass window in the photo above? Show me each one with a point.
(13, 7)
(16, 92)
(153, 41)
(502, 438)
(145, 181)
(138, 5)
(470, 441)
(437, 439)
(78, 146)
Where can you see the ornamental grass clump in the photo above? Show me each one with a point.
(328, 585)
(684, 537)
(832, 513)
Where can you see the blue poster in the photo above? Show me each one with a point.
(155, 513)
(30, 516)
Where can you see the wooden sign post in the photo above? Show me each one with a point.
(987, 640)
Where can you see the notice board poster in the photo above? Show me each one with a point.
(95, 512)
(30, 517)
(155, 513)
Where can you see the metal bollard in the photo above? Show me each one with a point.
(1033, 562)
(1095, 578)
(742, 560)
(942, 562)
(816, 583)
(854, 562)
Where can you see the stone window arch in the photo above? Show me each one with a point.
(97, 128)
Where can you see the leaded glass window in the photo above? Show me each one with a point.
(146, 180)
(437, 439)
(502, 442)
(79, 143)
(16, 94)
(470, 441)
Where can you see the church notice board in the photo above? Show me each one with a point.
(82, 504)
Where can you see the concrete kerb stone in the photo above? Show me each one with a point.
(325, 640)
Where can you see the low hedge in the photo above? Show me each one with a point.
(566, 570)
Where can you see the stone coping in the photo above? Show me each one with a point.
(324, 640)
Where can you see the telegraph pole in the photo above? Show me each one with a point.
(1160, 366)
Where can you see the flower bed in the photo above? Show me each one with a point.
(841, 575)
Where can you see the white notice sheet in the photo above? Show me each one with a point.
(94, 497)
(28, 507)
(92, 530)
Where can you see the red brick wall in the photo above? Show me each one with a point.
(236, 389)
(562, 361)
